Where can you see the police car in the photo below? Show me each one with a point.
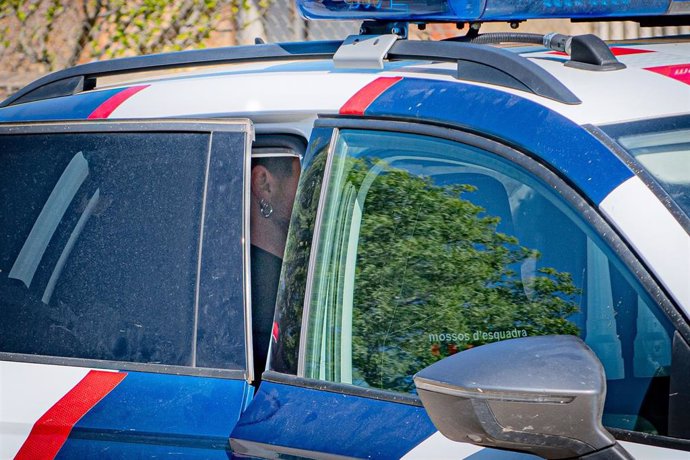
(375, 248)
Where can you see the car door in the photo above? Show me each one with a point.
(122, 288)
(410, 243)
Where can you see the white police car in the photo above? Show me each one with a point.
(463, 212)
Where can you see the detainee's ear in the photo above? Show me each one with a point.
(261, 182)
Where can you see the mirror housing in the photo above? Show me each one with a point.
(541, 395)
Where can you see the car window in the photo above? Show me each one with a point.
(662, 148)
(429, 247)
(101, 247)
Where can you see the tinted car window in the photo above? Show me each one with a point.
(100, 246)
(432, 247)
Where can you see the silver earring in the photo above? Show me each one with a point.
(265, 208)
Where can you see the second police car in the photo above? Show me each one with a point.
(376, 248)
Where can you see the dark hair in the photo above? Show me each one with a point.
(278, 166)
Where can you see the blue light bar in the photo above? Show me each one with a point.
(480, 10)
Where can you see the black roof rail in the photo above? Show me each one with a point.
(83, 77)
(488, 64)
(485, 64)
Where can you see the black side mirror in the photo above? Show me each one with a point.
(540, 395)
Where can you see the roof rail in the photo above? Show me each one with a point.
(485, 64)
(83, 77)
(488, 64)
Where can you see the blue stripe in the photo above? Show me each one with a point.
(77, 107)
(567, 147)
(173, 411)
(332, 423)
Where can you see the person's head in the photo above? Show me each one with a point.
(273, 186)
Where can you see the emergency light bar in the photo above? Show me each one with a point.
(488, 10)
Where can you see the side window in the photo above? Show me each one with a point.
(429, 247)
(101, 246)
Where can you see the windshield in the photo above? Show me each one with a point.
(662, 148)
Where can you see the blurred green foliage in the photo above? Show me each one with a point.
(59, 33)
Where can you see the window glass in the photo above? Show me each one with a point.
(662, 148)
(286, 332)
(429, 247)
(100, 244)
(666, 156)
(221, 339)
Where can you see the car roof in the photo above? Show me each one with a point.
(287, 94)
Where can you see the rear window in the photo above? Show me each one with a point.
(100, 253)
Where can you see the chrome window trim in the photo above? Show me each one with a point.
(246, 263)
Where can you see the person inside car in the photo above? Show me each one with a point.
(273, 185)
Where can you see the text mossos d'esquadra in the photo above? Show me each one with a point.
(460, 337)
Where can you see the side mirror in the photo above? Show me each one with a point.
(541, 395)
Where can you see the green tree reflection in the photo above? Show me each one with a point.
(434, 277)
(291, 289)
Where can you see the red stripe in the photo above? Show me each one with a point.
(680, 72)
(105, 109)
(622, 51)
(358, 103)
(275, 331)
(50, 432)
